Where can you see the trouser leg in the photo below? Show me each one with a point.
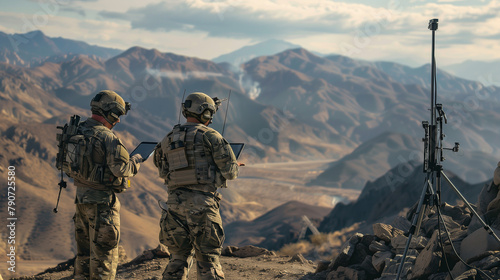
(82, 261)
(179, 245)
(208, 244)
(105, 236)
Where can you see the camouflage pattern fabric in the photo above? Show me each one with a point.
(97, 217)
(119, 165)
(97, 233)
(216, 150)
(192, 226)
(192, 223)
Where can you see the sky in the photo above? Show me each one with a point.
(390, 30)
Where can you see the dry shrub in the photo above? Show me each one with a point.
(291, 249)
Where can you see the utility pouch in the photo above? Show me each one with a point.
(177, 159)
(182, 177)
(175, 150)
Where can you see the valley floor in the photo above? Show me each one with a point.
(273, 184)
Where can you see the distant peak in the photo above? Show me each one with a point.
(34, 33)
(141, 50)
(300, 51)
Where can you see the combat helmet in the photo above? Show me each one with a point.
(109, 105)
(200, 106)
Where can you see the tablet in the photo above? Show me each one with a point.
(145, 149)
(237, 148)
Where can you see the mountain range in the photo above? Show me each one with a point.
(486, 72)
(244, 54)
(294, 105)
(34, 48)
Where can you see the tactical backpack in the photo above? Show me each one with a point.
(76, 158)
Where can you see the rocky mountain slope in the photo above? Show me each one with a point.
(387, 196)
(374, 157)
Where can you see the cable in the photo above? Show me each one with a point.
(440, 217)
(455, 251)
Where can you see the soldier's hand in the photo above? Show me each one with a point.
(241, 164)
(137, 158)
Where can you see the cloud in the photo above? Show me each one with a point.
(260, 19)
(265, 19)
(182, 75)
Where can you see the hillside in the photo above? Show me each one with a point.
(374, 157)
(398, 189)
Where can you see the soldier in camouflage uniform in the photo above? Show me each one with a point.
(194, 160)
(97, 217)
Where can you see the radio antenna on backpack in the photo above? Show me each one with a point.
(227, 108)
(180, 110)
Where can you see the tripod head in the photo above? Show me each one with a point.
(433, 24)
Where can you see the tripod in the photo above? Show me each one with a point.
(433, 156)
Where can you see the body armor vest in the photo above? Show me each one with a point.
(187, 160)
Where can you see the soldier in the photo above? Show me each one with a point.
(97, 217)
(194, 160)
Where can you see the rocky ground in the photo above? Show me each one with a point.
(239, 263)
(361, 257)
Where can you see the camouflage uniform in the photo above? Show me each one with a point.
(192, 224)
(97, 218)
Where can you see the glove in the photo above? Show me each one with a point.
(137, 158)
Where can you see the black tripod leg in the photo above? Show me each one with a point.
(486, 226)
(417, 221)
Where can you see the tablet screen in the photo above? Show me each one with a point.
(237, 148)
(145, 149)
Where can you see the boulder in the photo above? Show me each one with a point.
(429, 259)
(377, 246)
(429, 225)
(380, 259)
(246, 251)
(346, 273)
(321, 266)
(161, 251)
(386, 232)
(346, 252)
(399, 243)
(299, 258)
(468, 275)
(401, 223)
(477, 243)
(391, 269)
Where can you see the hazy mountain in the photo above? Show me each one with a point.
(247, 53)
(153, 82)
(374, 157)
(383, 197)
(276, 228)
(34, 47)
(485, 72)
(361, 101)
